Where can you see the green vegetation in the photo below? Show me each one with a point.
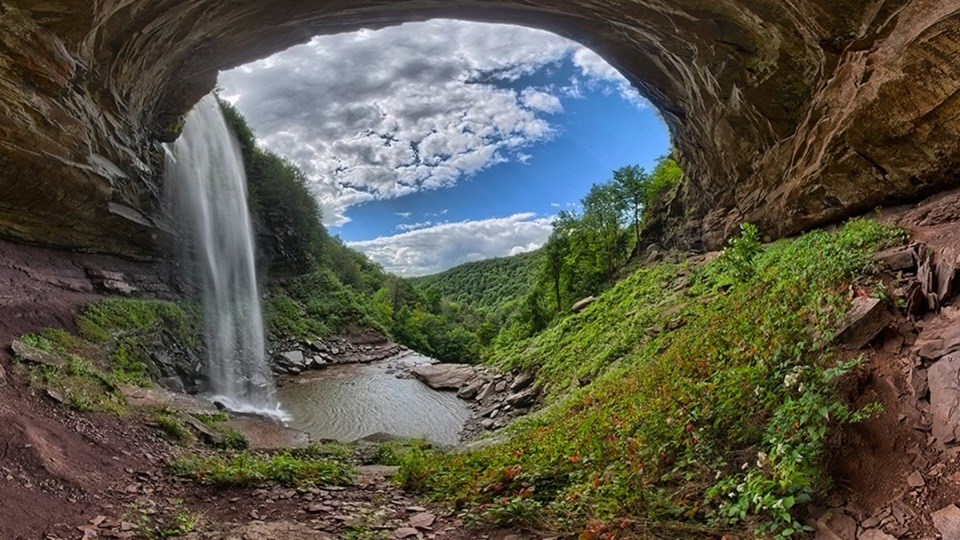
(79, 386)
(288, 219)
(246, 468)
(488, 285)
(112, 348)
(586, 252)
(129, 329)
(708, 396)
(173, 428)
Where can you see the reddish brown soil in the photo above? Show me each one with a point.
(42, 288)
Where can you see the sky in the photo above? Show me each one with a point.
(437, 143)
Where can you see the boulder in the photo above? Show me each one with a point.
(472, 389)
(524, 398)
(486, 392)
(444, 376)
(947, 521)
(581, 305)
(866, 318)
(29, 353)
(897, 259)
(174, 384)
(943, 378)
(293, 357)
(522, 381)
(940, 337)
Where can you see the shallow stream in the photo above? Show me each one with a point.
(352, 401)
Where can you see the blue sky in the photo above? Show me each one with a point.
(433, 144)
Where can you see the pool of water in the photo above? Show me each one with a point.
(352, 401)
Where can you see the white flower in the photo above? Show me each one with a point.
(762, 459)
(793, 377)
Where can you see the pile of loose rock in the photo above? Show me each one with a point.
(294, 358)
(921, 340)
(496, 398)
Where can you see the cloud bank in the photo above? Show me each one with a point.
(435, 249)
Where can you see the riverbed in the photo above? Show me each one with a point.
(351, 401)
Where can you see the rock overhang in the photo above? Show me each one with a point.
(785, 114)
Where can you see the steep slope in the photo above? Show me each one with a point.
(687, 401)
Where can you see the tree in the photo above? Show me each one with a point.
(632, 184)
(603, 210)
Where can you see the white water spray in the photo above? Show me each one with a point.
(207, 184)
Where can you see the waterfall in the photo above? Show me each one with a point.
(206, 184)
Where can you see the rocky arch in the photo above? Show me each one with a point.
(787, 113)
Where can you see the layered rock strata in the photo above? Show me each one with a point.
(785, 113)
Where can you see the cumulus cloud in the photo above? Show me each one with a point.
(437, 248)
(382, 114)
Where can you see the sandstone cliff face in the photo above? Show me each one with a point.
(787, 113)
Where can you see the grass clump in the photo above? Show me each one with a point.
(247, 468)
(231, 438)
(718, 419)
(173, 428)
(80, 386)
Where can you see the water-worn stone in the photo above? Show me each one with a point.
(943, 378)
(444, 376)
(866, 318)
(293, 357)
(947, 521)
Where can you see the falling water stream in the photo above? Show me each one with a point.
(207, 185)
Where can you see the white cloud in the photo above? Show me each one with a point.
(404, 215)
(437, 248)
(597, 70)
(382, 114)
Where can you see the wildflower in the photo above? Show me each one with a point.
(762, 459)
(574, 459)
(793, 377)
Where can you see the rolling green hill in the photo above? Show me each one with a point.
(488, 284)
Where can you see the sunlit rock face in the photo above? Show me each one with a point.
(787, 113)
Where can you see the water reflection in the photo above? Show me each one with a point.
(349, 402)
